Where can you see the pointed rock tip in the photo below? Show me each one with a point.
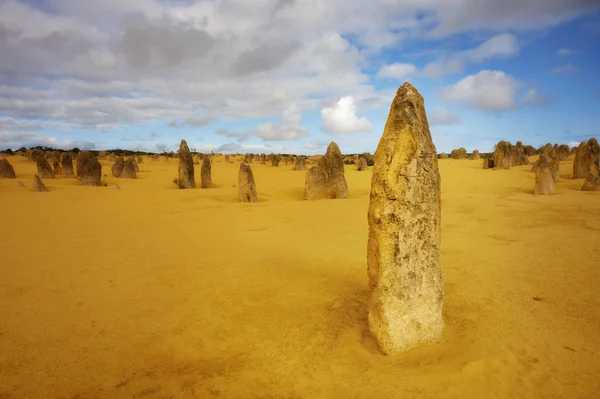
(407, 89)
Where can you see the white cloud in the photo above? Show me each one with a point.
(436, 69)
(289, 129)
(397, 71)
(566, 51)
(565, 69)
(574, 144)
(341, 118)
(503, 45)
(532, 97)
(440, 116)
(491, 90)
(239, 136)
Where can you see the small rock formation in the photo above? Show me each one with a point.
(584, 158)
(33, 155)
(130, 169)
(326, 180)
(592, 179)
(263, 159)
(443, 155)
(66, 162)
(56, 167)
(154, 157)
(551, 158)
(544, 182)
(563, 152)
(275, 160)
(488, 163)
(248, 158)
(140, 159)
(227, 158)
(205, 174)
(518, 156)
(529, 150)
(43, 168)
(246, 185)
(20, 184)
(117, 168)
(300, 164)
(461, 153)
(503, 155)
(89, 170)
(101, 155)
(38, 185)
(361, 165)
(475, 155)
(6, 170)
(403, 254)
(186, 167)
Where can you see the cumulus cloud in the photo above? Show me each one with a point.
(397, 71)
(111, 64)
(341, 118)
(565, 69)
(440, 116)
(574, 144)
(490, 90)
(138, 137)
(196, 121)
(532, 97)
(288, 129)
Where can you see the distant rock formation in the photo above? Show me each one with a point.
(205, 174)
(300, 164)
(518, 156)
(503, 155)
(544, 182)
(403, 251)
(38, 185)
(66, 162)
(263, 159)
(326, 180)
(43, 168)
(227, 158)
(130, 169)
(361, 165)
(550, 158)
(248, 158)
(246, 185)
(117, 168)
(475, 155)
(592, 178)
(584, 158)
(563, 152)
(186, 167)
(89, 170)
(6, 170)
(488, 163)
(275, 159)
(443, 155)
(529, 150)
(460, 153)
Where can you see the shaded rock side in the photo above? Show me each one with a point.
(460, 153)
(502, 155)
(6, 170)
(361, 164)
(44, 169)
(326, 180)
(544, 181)
(186, 167)
(66, 163)
(117, 168)
(38, 185)
(205, 174)
(246, 185)
(89, 170)
(130, 169)
(403, 254)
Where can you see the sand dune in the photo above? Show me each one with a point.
(149, 291)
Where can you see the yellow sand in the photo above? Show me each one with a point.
(154, 292)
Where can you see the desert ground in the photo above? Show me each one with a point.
(149, 291)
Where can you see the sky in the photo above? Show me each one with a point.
(291, 76)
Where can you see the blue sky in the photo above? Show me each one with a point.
(293, 75)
